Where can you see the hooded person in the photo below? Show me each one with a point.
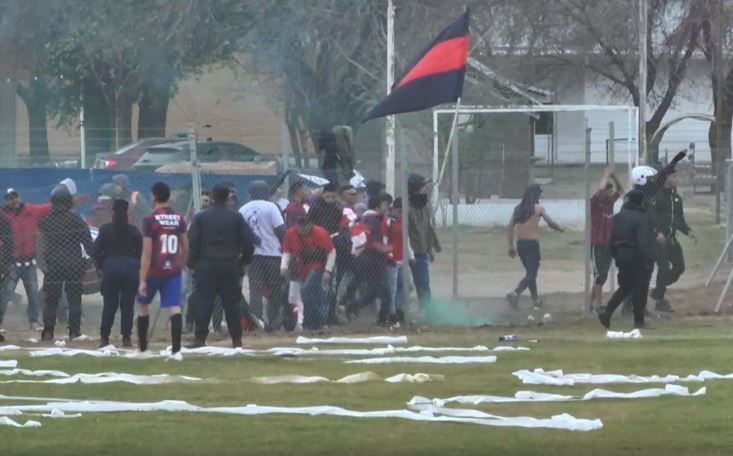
(101, 213)
(632, 247)
(423, 238)
(63, 232)
(267, 223)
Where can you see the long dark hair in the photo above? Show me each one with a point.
(525, 209)
(119, 217)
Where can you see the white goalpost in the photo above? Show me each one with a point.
(438, 168)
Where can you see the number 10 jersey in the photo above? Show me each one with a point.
(165, 227)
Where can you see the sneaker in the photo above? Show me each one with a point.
(399, 317)
(513, 299)
(237, 343)
(175, 357)
(36, 327)
(605, 320)
(126, 342)
(74, 334)
(662, 305)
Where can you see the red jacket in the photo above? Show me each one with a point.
(24, 226)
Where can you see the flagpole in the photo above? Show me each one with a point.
(390, 133)
(448, 146)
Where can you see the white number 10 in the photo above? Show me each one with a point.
(168, 244)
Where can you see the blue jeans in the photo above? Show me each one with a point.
(396, 284)
(529, 253)
(316, 301)
(29, 275)
(421, 277)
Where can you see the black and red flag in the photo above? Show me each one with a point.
(436, 76)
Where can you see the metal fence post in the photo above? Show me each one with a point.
(587, 253)
(195, 172)
(612, 158)
(454, 196)
(729, 206)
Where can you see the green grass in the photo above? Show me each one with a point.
(651, 426)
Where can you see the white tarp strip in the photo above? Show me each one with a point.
(33, 373)
(5, 421)
(508, 348)
(428, 413)
(8, 363)
(109, 350)
(353, 340)
(427, 360)
(563, 421)
(634, 334)
(9, 348)
(558, 378)
(354, 378)
(389, 350)
(112, 377)
(532, 396)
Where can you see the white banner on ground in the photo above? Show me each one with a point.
(558, 378)
(427, 360)
(5, 421)
(426, 413)
(353, 340)
(354, 378)
(9, 348)
(532, 396)
(634, 334)
(8, 363)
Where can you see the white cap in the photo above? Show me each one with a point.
(10, 190)
(70, 185)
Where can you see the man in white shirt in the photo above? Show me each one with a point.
(266, 220)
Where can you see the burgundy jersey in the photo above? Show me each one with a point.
(165, 227)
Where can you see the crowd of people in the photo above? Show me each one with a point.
(321, 255)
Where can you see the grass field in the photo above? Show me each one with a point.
(668, 425)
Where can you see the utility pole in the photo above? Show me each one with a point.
(719, 160)
(389, 176)
(642, 80)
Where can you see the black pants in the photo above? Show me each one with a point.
(670, 265)
(633, 280)
(213, 281)
(370, 273)
(54, 281)
(601, 256)
(120, 282)
(529, 253)
(264, 273)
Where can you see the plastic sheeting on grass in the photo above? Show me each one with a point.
(353, 378)
(558, 378)
(353, 340)
(424, 413)
(634, 334)
(532, 396)
(9, 348)
(8, 363)
(5, 421)
(427, 360)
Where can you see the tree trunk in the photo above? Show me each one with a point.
(99, 128)
(36, 103)
(153, 105)
(294, 143)
(123, 116)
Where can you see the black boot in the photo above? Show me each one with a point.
(47, 333)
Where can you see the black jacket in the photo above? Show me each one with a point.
(64, 234)
(6, 245)
(631, 238)
(667, 213)
(219, 236)
(327, 216)
(110, 244)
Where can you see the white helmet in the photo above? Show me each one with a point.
(640, 174)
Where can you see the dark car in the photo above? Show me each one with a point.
(124, 158)
(206, 151)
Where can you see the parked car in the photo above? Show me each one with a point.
(207, 152)
(124, 158)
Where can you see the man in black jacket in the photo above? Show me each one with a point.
(221, 244)
(632, 246)
(667, 217)
(65, 234)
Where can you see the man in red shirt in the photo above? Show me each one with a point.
(315, 256)
(23, 219)
(392, 232)
(296, 207)
(165, 250)
(601, 215)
